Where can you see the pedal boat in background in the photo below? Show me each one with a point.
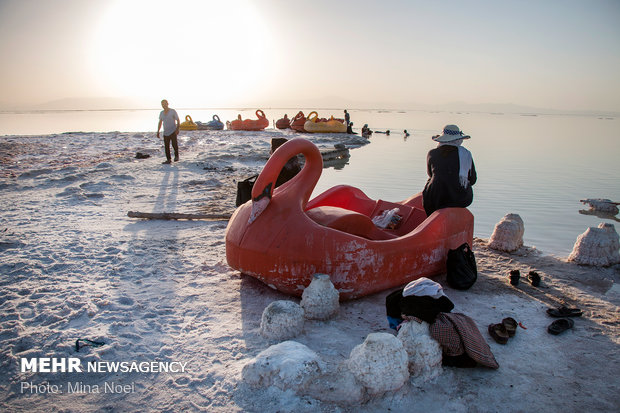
(188, 124)
(283, 123)
(297, 123)
(215, 124)
(315, 125)
(282, 239)
(250, 124)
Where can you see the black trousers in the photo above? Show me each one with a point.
(171, 139)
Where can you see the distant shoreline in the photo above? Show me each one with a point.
(599, 114)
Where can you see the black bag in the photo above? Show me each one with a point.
(244, 190)
(461, 268)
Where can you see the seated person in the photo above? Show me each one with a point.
(366, 132)
(451, 172)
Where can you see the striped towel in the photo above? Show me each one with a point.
(458, 334)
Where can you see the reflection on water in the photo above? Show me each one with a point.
(600, 214)
(536, 166)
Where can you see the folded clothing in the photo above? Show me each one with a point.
(458, 334)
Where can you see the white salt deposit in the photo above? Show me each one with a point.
(282, 320)
(598, 246)
(424, 352)
(508, 233)
(320, 300)
(287, 365)
(338, 385)
(380, 363)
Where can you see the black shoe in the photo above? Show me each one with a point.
(166, 162)
(514, 277)
(176, 158)
(534, 278)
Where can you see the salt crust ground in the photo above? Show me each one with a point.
(72, 265)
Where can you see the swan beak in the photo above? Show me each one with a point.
(257, 208)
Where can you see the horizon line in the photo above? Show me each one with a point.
(537, 111)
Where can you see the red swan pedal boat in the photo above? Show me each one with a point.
(283, 123)
(297, 123)
(282, 239)
(250, 124)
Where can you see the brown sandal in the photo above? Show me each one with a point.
(499, 333)
(510, 324)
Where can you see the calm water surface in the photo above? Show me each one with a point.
(536, 166)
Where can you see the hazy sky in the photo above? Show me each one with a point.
(560, 54)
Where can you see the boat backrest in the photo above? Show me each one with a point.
(348, 221)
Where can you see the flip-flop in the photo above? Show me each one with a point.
(510, 324)
(499, 333)
(564, 311)
(534, 278)
(560, 326)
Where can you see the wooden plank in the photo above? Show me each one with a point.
(176, 215)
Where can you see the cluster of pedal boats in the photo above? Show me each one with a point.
(300, 123)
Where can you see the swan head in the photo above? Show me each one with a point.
(260, 203)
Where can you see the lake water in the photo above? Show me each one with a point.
(537, 166)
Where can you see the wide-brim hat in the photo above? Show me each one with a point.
(450, 133)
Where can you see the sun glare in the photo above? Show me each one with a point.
(200, 53)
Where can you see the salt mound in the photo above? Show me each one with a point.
(287, 365)
(282, 320)
(597, 246)
(424, 352)
(338, 385)
(508, 233)
(320, 300)
(379, 363)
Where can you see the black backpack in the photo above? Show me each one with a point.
(244, 190)
(461, 268)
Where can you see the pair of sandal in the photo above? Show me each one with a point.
(562, 323)
(533, 277)
(501, 332)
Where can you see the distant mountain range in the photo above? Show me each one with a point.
(331, 102)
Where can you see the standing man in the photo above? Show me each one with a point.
(347, 118)
(171, 122)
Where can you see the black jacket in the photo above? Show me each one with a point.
(423, 307)
(443, 188)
